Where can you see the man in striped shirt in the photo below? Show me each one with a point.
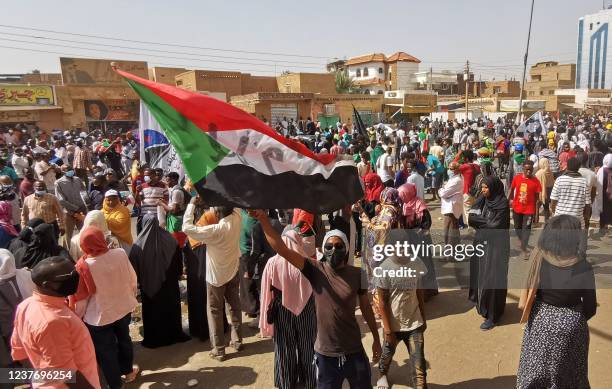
(570, 194)
(551, 154)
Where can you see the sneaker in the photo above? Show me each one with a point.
(487, 325)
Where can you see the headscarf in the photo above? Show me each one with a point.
(25, 236)
(6, 213)
(413, 207)
(528, 294)
(497, 198)
(93, 218)
(280, 274)
(338, 234)
(92, 241)
(607, 161)
(93, 244)
(390, 196)
(373, 187)
(8, 271)
(545, 176)
(119, 221)
(152, 254)
(43, 245)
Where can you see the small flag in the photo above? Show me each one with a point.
(234, 159)
(359, 126)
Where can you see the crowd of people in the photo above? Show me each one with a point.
(72, 271)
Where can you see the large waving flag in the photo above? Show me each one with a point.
(535, 123)
(235, 159)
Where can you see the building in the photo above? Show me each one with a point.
(500, 89)
(409, 105)
(35, 77)
(165, 75)
(593, 67)
(548, 77)
(376, 73)
(597, 100)
(225, 85)
(337, 65)
(326, 108)
(30, 104)
(307, 83)
(443, 83)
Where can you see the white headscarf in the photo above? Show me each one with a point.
(22, 276)
(336, 233)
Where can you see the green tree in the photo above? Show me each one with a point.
(344, 83)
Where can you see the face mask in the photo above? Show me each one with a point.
(335, 257)
(70, 173)
(40, 193)
(147, 179)
(69, 286)
(7, 187)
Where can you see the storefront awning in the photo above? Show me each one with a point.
(4, 108)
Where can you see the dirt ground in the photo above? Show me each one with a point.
(459, 354)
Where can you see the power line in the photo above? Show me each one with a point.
(89, 57)
(157, 51)
(158, 43)
(149, 55)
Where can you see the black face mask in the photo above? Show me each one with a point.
(68, 286)
(335, 257)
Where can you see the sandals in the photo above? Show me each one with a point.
(236, 345)
(382, 383)
(130, 377)
(217, 356)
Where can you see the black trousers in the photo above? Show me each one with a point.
(114, 350)
(522, 226)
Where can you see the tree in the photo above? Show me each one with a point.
(344, 83)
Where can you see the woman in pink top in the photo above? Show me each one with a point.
(288, 314)
(105, 298)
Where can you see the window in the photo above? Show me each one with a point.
(365, 72)
(358, 73)
(380, 92)
(179, 82)
(366, 92)
(380, 71)
(590, 26)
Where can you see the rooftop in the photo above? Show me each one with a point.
(380, 57)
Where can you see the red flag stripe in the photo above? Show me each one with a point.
(211, 114)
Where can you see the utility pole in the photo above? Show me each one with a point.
(520, 109)
(430, 79)
(467, 83)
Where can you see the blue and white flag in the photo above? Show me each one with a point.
(535, 124)
(155, 148)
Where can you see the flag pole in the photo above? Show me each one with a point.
(520, 109)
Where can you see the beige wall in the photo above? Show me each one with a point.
(165, 75)
(307, 83)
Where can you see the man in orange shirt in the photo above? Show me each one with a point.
(48, 334)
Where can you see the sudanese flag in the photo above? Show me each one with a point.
(234, 159)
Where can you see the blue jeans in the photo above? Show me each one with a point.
(331, 371)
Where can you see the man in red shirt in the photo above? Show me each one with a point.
(524, 200)
(469, 170)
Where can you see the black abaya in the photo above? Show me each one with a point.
(161, 314)
(195, 266)
(489, 273)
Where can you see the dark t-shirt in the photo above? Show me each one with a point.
(335, 293)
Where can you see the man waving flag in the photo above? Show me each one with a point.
(235, 159)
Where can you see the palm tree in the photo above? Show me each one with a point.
(344, 83)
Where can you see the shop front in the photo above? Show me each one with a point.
(33, 105)
(111, 116)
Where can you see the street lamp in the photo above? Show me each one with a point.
(466, 77)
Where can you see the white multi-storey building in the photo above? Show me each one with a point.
(375, 73)
(593, 68)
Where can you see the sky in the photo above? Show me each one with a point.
(266, 37)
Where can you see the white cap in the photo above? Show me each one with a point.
(111, 192)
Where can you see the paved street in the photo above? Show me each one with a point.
(459, 354)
